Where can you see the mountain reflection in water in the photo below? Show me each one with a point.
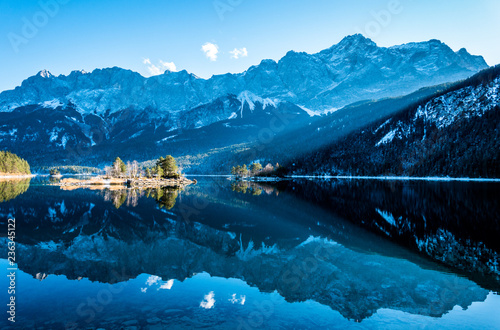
(358, 248)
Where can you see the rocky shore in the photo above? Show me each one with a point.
(104, 182)
(155, 183)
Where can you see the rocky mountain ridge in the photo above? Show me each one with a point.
(352, 70)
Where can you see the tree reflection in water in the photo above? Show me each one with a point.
(165, 197)
(11, 188)
(249, 187)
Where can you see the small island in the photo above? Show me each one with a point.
(54, 173)
(165, 173)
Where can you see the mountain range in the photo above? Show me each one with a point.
(354, 69)
(89, 118)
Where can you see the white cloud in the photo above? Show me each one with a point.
(208, 301)
(211, 50)
(235, 300)
(237, 53)
(167, 285)
(155, 70)
(170, 66)
(152, 280)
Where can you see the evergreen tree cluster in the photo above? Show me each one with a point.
(12, 164)
(167, 168)
(119, 167)
(163, 168)
(239, 171)
(256, 169)
(54, 171)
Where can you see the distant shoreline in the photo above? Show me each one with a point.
(395, 178)
(345, 177)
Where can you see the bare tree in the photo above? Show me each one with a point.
(129, 169)
(134, 169)
(108, 170)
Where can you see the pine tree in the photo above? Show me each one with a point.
(119, 167)
(123, 167)
(255, 168)
(168, 166)
(237, 170)
(244, 170)
(159, 171)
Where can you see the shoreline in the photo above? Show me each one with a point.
(396, 178)
(17, 176)
(345, 177)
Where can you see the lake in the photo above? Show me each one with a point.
(298, 254)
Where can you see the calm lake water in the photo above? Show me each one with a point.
(293, 254)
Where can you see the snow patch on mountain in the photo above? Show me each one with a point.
(464, 103)
(249, 98)
(387, 138)
(53, 104)
(136, 135)
(310, 112)
(166, 139)
(64, 140)
(54, 134)
(383, 125)
(11, 132)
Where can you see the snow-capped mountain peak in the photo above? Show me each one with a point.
(356, 41)
(45, 74)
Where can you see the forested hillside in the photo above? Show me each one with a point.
(454, 133)
(12, 164)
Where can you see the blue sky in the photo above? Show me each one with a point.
(208, 37)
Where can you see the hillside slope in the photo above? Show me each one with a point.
(455, 133)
